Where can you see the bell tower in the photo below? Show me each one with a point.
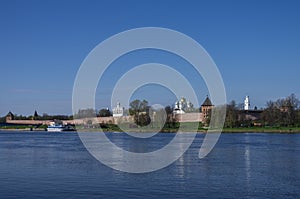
(247, 103)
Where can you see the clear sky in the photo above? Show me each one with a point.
(255, 44)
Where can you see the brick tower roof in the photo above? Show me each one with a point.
(207, 102)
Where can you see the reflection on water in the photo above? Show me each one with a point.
(56, 165)
(247, 161)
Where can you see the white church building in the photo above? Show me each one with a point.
(247, 103)
(182, 106)
(118, 111)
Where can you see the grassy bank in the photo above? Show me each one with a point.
(262, 130)
(23, 128)
(168, 128)
(192, 127)
(17, 127)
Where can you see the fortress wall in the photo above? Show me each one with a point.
(74, 122)
(118, 120)
(189, 117)
(29, 122)
(106, 120)
(95, 120)
(101, 120)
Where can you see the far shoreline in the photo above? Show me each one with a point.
(225, 130)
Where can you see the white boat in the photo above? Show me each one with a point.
(59, 127)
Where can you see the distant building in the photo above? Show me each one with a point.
(206, 107)
(247, 103)
(179, 106)
(190, 106)
(9, 116)
(249, 116)
(182, 106)
(118, 111)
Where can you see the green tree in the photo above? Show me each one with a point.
(104, 113)
(231, 115)
(271, 115)
(159, 117)
(298, 118)
(290, 110)
(138, 106)
(142, 119)
(169, 116)
(2, 119)
(140, 110)
(218, 113)
(85, 113)
(168, 110)
(283, 112)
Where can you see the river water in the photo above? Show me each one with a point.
(56, 165)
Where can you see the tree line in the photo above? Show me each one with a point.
(284, 112)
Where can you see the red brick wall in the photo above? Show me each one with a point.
(189, 117)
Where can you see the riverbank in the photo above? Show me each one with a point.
(262, 130)
(115, 128)
(23, 129)
(192, 127)
(185, 127)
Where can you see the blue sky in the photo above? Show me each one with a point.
(255, 44)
